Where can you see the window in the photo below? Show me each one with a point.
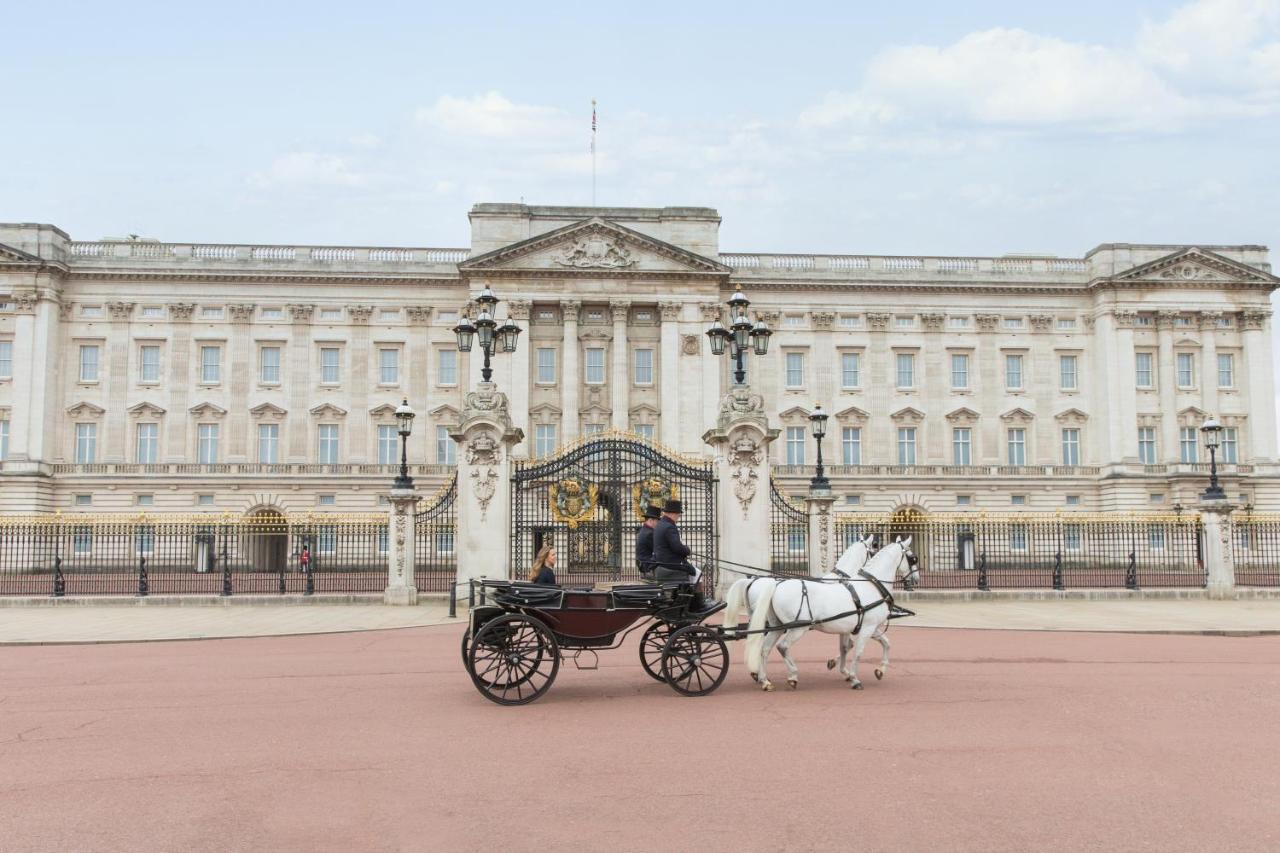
(145, 539)
(388, 439)
(1226, 370)
(544, 439)
(1017, 537)
(89, 363)
(853, 500)
(1066, 323)
(795, 370)
(269, 365)
(446, 317)
(328, 444)
(1067, 376)
(1155, 536)
(795, 445)
(595, 365)
(1186, 370)
(82, 542)
(546, 365)
(326, 539)
(1071, 447)
(204, 500)
(148, 444)
(1013, 372)
(327, 500)
(84, 500)
(448, 368)
(644, 431)
(4, 439)
(330, 313)
(91, 311)
(643, 369)
(964, 500)
(850, 368)
(906, 445)
(1073, 500)
(389, 314)
(211, 313)
(388, 366)
(86, 444)
(152, 312)
(1155, 499)
(1018, 500)
(1145, 373)
(1230, 444)
(1188, 440)
(592, 429)
(1017, 446)
(959, 370)
(6, 359)
(961, 446)
(210, 364)
(796, 539)
(1147, 445)
(269, 444)
(384, 540)
(906, 363)
(904, 322)
(149, 363)
(851, 322)
(1071, 537)
(1182, 321)
(958, 322)
(444, 543)
(145, 500)
(272, 314)
(851, 445)
(793, 321)
(207, 444)
(329, 370)
(1143, 320)
(1013, 322)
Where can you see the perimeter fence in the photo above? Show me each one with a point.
(1255, 544)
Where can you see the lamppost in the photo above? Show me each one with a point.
(819, 481)
(486, 328)
(740, 335)
(1212, 439)
(404, 422)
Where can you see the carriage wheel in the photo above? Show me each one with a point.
(466, 648)
(514, 659)
(695, 660)
(652, 642)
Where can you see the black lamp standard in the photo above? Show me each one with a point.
(404, 422)
(740, 335)
(486, 329)
(1212, 439)
(819, 481)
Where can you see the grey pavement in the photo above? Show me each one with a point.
(131, 623)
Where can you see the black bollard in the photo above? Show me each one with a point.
(1057, 571)
(226, 572)
(453, 600)
(59, 582)
(144, 586)
(282, 563)
(982, 572)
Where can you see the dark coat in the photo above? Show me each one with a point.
(644, 548)
(545, 576)
(668, 551)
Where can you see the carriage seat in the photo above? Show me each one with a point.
(639, 595)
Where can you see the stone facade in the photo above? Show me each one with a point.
(189, 376)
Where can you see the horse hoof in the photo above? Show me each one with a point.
(857, 685)
(767, 687)
(755, 677)
(831, 664)
(793, 683)
(849, 678)
(879, 674)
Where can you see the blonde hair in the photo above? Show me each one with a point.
(540, 561)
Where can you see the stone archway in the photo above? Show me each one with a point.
(912, 520)
(268, 540)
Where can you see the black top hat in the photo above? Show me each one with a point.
(673, 506)
(652, 511)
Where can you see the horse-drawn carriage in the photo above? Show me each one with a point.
(519, 632)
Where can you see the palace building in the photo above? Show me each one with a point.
(188, 376)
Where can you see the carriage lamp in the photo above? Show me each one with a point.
(491, 337)
(742, 335)
(1212, 440)
(465, 331)
(818, 419)
(485, 326)
(507, 334)
(404, 423)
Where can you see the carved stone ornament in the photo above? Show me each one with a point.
(1253, 320)
(618, 310)
(1089, 322)
(1126, 319)
(181, 310)
(301, 313)
(484, 484)
(1166, 319)
(240, 313)
(745, 458)
(65, 309)
(987, 322)
(518, 309)
(933, 322)
(25, 303)
(487, 401)
(483, 449)
(690, 344)
(572, 501)
(419, 315)
(878, 322)
(1210, 319)
(741, 405)
(823, 319)
(824, 535)
(595, 252)
(402, 526)
(1190, 272)
(710, 311)
(120, 310)
(360, 314)
(670, 311)
(1041, 322)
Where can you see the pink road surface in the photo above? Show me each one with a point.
(377, 741)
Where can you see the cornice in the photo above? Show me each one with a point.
(253, 277)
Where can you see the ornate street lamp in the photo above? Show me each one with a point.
(486, 331)
(741, 335)
(1212, 431)
(818, 419)
(404, 422)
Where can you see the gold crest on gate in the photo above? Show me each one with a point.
(572, 501)
(653, 490)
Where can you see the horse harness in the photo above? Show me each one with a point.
(860, 610)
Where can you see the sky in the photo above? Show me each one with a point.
(847, 127)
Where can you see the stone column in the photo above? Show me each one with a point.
(1219, 559)
(180, 382)
(740, 441)
(486, 438)
(401, 586)
(354, 446)
(115, 376)
(934, 378)
(823, 551)
(520, 311)
(241, 374)
(571, 377)
(1261, 387)
(1166, 378)
(620, 383)
(669, 381)
(298, 384)
(1209, 366)
(34, 409)
(987, 379)
(709, 365)
(879, 445)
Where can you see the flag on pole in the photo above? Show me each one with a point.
(593, 124)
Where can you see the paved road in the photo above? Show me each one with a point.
(977, 740)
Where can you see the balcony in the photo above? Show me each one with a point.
(940, 470)
(749, 265)
(137, 253)
(243, 469)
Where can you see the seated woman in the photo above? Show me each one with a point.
(540, 571)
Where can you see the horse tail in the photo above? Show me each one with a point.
(759, 619)
(735, 600)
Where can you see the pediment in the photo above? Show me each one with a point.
(267, 410)
(10, 254)
(85, 408)
(909, 414)
(386, 410)
(853, 413)
(593, 246)
(794, 413)
(545, 409)
(963, 415)
(644, 409)
(1018, 415)
(595, 408)
(1194, 266)
(1193, 412)
(444, 412)
(207, 410)
(144, 409)
(1071, 416)
(328, 410)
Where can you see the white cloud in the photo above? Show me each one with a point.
(307, 168)
(365, 140)
(1209, 35)
(493, 116)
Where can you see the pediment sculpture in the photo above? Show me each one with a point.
(595, 251)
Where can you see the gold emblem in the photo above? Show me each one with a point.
(572, 501)
(652, 490)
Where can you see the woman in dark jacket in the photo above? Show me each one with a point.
(541, 570)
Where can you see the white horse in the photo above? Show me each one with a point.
(815, 603)
(745, 593)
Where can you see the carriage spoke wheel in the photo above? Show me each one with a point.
(695, 660)
(513, 659)
(652, 642)
(466, 649)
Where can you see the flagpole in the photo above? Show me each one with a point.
(593, 152)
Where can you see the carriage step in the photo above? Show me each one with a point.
(594, 663)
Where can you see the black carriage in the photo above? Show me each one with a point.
(520, 632)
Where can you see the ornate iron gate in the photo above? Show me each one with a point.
(588, 499)
(788, 533)
(434, 555)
